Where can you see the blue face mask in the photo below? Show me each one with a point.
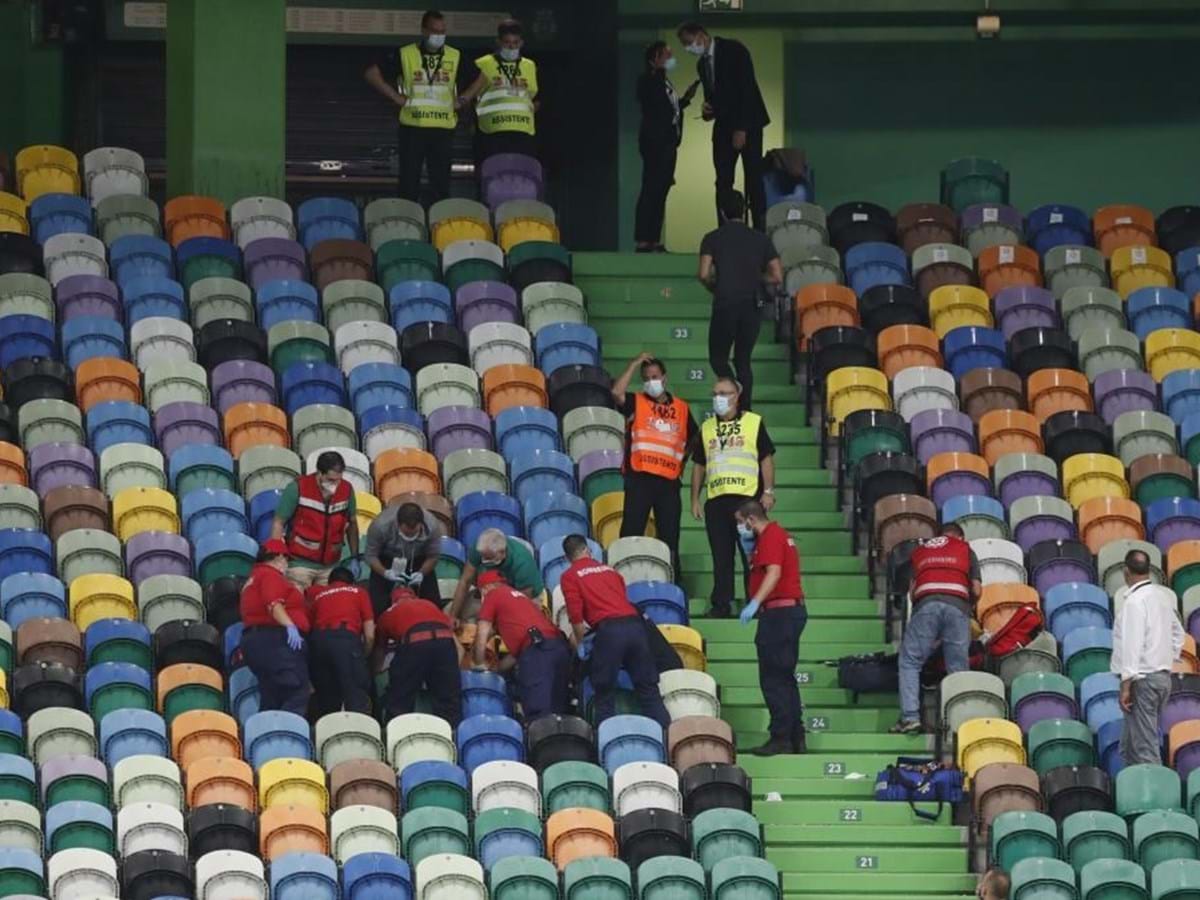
(722, 405)
(670, 63)
(510, 54)
(745, 532)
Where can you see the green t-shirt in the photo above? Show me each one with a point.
(289, 499)
(519, 568)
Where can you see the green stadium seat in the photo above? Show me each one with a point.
(1018, 835)
(1041, 878)
(431, 830)
(1060, 742)
(291, 342)
(670, 878)
(1160, 835)
(1094, 834)
(523, 878)
(745, 878)
(575, 784)
(1178, 879)
(1112, 879)
(597, 878)
(719, 834)
(1144, 788)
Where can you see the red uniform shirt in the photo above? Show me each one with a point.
(594, 592)
(775, 547)
(339, 605)
(401, 617)
(513, 614)
(266, 587)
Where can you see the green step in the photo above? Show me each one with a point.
(781, 403)
(745, 674)
(730, 631)
(794, 521)
(606, 263)
(818, 608)
(853, 884)
(940, 836)
(843, 720)
(893, 744)
(888, 860)
(817, 788)
(648, 296)
(855, 817)
(697, 563)
(810, 651)
(813, 543)
(849, 587)
(674, 352)
(816, 697)
(693, 367)
(814, 765)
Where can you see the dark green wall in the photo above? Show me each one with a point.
(32, 100)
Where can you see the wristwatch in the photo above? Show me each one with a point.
(769, 490)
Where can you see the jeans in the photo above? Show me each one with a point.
(932, 624)
(1140, 740)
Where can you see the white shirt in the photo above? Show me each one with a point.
(1147, 634)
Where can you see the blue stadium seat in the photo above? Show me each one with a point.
(665, 603)
(51, 214)
(566, 344)
(326, 218)
(262, 512)
(211, 247)
(554, 562)
(1151, 308)
(275, 734)
(379, 384)
(118, 422)
(875, 263)
(74, 815)
(240, 549)
(391, 418)
(1181, 394)
(304, 876)
(12, 731)
(132, 732)
(972, 347)
(412, 302)
(113, 638)
(554, 514)
(24, 867)
(286, 301)
(1187, 270)
(978, 510)
(231, 641)
(454, 552)
(521, 430)
(1172, 519)
(140, 256)
(484, 694)
(24, 337)
(107, 675)
(626, 739)
(488, 738)
(306, 383)
(209, 510)
(418, 775)
(1075, 604)
(213, 464)
(87, 337)
(1054, 225)
(23, 550)
(376, 876)
(540, 471)
(243, 694)
(477, 512)
(1108, 746)
(28, 596)
(147, 298)
(17, 771)
(1099, 699)
(506, 833)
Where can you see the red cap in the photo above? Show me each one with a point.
(275, 547)
(489, 576)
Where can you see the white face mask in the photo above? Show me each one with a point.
(435, 41)
(745, 532)
(670, 63)
(328, 486)
(722, 405)
(510, 54)
(696, 49)
(653, 387)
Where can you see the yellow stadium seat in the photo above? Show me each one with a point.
(1188, 664)
(985, 741)
(852, 388)
(295, 782)
(4, 704)
(607, 512)
(517, 231)
(45, 169)
(13, 213)
(138, 509)
(1089, 475)
(458, 220)
(1138, 267)
(368, 507)
(101, 596)
(688, 643)
(956, 305)
(1171, 349)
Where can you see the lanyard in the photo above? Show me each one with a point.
(431, 70)
(726, 430)
(511, 71)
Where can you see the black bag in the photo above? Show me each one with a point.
(870, 673)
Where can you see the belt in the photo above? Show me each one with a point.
(417, 635)
(781, 604)
(604, 622)
(254, 628)
(341, 626)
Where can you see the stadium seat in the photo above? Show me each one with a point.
(150, 826)
(212, 780)
(1042, 877)
(146, 779)
(577, 834)
(983, 741)
(488, 302)
(416, 737)
(127, 732)
(434, 783)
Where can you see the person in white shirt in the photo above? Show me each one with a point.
(1147, 640)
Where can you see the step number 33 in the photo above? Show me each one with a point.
(681, 333)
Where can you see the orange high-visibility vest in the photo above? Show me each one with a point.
(658, 437)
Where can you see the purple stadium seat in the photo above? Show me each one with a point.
(485, 301)
(1124, 390)
(1026, 483)
(1024, 306)
(458, 428)
(274, 259)
(71, 766)
(940, 431)
(1057, 562)
(242, 381)
(181, 423)
(56, 465)
(510, 176)
(1042, 524)
(87, 295)
(157, 553)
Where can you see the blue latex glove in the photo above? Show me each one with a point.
(356, 568)
(748, 544)
(293, 638)
(415, 580)
(748, 612)
(585, 649)
(394, 577)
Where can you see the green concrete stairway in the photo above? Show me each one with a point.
(823, 829)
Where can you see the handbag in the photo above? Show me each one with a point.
(916, 779)
(869, 673)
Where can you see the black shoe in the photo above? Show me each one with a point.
(720, 612)
(800, 742)
(774, 747)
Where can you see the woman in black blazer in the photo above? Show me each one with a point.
(659, 135)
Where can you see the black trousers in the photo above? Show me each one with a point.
(429, 148)
(502, 142)
(777, 641)
(543, 672)
(725, 162)
(621, 644)
(645, 493)
(720, 521)
(282, 672)
(433, 665)
(658, 174)
(735, 328)
(380, 588)
(339, 672)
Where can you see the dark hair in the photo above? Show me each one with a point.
(410, 514)
(265, 555)
(508, 27)
(652, 51)
(431, 15)
(341, 575)
(690, 28)
(654, 361)
(953, 529)
(998, 883)
(573, 545)
(330, 460)
(732, 204)
(1138, 562)
(753, 508)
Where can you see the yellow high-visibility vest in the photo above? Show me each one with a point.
(431, 92)
(506, 104)
(731, 455)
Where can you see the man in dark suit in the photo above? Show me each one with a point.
(734, 104)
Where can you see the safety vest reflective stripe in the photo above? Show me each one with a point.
(321, 507)
(732, 460)
(430, 103)
(940, 587)
(507, 105)
(651, 447)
